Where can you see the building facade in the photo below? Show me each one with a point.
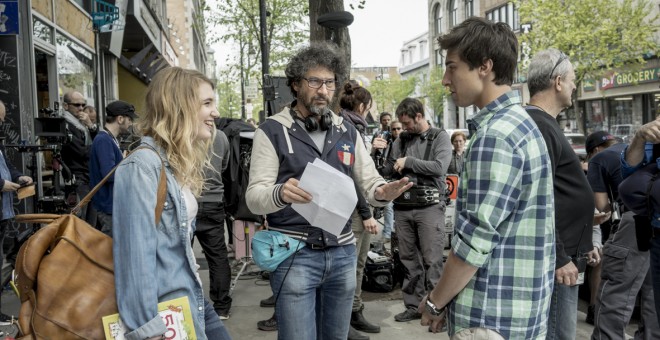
(620, 101)
(104, 49)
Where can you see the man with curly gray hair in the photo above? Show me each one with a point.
(314, 287)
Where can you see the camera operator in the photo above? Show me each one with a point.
(421, 153)
(75, 153)
(380, 146)
(10, 181)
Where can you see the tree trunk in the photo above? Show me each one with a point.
(319, 33)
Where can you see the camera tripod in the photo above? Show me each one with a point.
(246, 260)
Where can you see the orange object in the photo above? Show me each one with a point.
(452, 186)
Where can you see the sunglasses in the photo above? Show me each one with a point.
(562, 57)
(397, 129)
(77, 104)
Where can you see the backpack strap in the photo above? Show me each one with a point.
(430, 137)
(160, 194)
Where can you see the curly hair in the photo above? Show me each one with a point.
(316, 54)
(171, 106)
(353, 95)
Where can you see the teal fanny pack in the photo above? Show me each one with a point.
(270, 248)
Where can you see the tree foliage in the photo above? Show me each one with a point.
(388, 93)
(237, 21)
(597, 34)
(435, 92)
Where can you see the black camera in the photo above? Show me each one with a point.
(380, 154)
(52, 126)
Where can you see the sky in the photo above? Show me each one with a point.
(377, 33)
(380, 29)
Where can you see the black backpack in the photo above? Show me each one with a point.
(237, 176)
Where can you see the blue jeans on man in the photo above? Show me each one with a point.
(316, 293)
(562, 322)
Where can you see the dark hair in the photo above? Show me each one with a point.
(110, 119)
(409, 107)
(353, 95)
(383, 114)
(318, 54)
(476, 40)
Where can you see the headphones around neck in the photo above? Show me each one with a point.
(312, 124)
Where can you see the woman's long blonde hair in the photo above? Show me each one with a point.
(171, 106)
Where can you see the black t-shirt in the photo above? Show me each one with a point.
(604, 172)
(574, 200)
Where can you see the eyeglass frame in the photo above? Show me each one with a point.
(323, 82)
(562, 57)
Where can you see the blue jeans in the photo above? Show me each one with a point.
(214, 328)
(655, 273)
(562, 322)
(388, 223)
(317, 294)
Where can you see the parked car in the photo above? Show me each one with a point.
(577, 141)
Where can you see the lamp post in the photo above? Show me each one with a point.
(243, 75)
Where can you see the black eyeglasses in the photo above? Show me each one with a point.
(316, 83)
(562, 57)
(77, 104)
(397, 129)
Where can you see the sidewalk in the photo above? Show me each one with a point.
(251, 288)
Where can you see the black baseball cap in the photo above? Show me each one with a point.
(597, 139)
(120, 108)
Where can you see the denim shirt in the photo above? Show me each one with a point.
(152, 263)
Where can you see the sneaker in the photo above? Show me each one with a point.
(408, 315)
(223, 315)
(268, 325)
(590, 314)
(6, 320)
(270, 302)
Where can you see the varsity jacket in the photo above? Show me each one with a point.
(281, 150)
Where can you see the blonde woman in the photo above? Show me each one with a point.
(155, 263)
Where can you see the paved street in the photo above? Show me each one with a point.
(251, 288)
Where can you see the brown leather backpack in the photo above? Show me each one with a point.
(65, 274)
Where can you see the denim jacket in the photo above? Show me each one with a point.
(152, 263)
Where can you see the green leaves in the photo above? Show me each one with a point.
(598, 35)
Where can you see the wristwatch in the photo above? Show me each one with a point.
(432, 309)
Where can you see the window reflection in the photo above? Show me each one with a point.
(42, 31)
(75, 68)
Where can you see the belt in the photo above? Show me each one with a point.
(317, 246)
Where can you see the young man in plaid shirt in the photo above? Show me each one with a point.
(498, 278)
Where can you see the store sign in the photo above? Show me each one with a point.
(588, 85)
(9, 17)
(617, 79)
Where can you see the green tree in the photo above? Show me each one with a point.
(435, 92)
(598, 35)
(387, 93)
(238, 21)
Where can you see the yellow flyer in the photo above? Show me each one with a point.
(175, 313)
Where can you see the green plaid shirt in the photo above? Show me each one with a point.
(505, 225)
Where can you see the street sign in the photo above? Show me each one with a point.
(251, 91)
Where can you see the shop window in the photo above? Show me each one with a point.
(75, 68)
